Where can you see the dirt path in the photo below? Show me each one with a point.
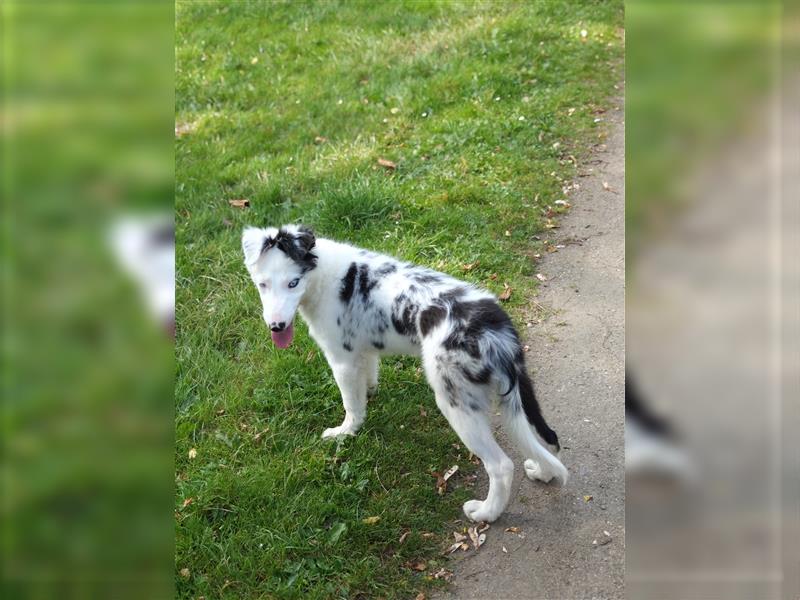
(577, 357)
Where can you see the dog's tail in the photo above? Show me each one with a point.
(521, 411)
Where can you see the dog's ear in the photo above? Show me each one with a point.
(253, 242)
(305, 239)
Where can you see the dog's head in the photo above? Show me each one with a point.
(278, 260)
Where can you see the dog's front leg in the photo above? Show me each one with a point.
(352, 381)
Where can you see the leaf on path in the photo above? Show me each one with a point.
(541, 277)
(443, 574)
(605, 539)
(506, 293)
(504, 550)
(387, 163)
(239, 203)
(477, 538)
(588, 498)
(512, 530)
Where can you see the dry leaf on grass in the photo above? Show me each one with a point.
(193, 453)
(470, 266)
(187, 502)
(181, 129)
(427, 534)
(423, 412)
(320, 139)
(370, 520)
(506, 293)
(239, 203)
(416, 565)
(404, 536)
(450, 472)
(420, 596)
(185, 572)
(387, 163)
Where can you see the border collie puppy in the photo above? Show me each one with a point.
(360, 305)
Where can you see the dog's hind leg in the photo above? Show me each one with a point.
(351, 377)
(475, 431)
(373, 362)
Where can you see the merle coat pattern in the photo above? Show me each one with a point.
(360, 305)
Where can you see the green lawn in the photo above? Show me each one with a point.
(485, 109)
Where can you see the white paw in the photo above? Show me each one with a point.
(337, 431)
(476, 511)
(535, 472)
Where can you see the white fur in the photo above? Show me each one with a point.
(347, 332)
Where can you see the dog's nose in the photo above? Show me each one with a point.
(277, 326)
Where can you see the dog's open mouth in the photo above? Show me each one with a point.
(283, 338)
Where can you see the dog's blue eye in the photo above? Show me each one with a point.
(294, 282)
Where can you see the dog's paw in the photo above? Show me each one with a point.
(476, 511)
(535, 472)
(333, 432)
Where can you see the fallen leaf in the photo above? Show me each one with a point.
(588, 498)
(606, 539)
(506, 293)
(181, 129)
(512, 529)
(550, 224)
(254, 60)
(193, 453)
(187, 502)
(473, 535)
(258, 436)
(526, 348)
(504, 550)
(420, 596)
(185, 572)
(483, 526)
(470, 266)
(459, 537)
(493, 276)
(441, 483)
(541, 277)
(454, 547)
(370, 520)
(404, 536)
(450, 472)
(320, 139)
(417, 565)
(508, 233)
(428, 534)
(387, 163)
(240, 203)
(394, 110)
(423, 412)
(443, 574)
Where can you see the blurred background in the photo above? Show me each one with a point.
(711, 299)
(87, 483)
(712, 179)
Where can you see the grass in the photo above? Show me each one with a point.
(291, 105)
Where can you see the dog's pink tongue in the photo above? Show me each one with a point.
(283, 338)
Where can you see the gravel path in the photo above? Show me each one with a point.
(577, 357)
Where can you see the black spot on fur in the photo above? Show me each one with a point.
(378, 345)
(296, 246)
(348, 284)
(482, 377)
(339, 321)
(431, 317)
(424, 277)
(451, 390)
(365, 284)
(453, 294)
(347, 347)
(475, 407)
(386, 269)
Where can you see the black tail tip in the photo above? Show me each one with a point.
(551, 438)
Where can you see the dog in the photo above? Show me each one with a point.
(360, 305)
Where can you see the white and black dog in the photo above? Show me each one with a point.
(359, 305)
